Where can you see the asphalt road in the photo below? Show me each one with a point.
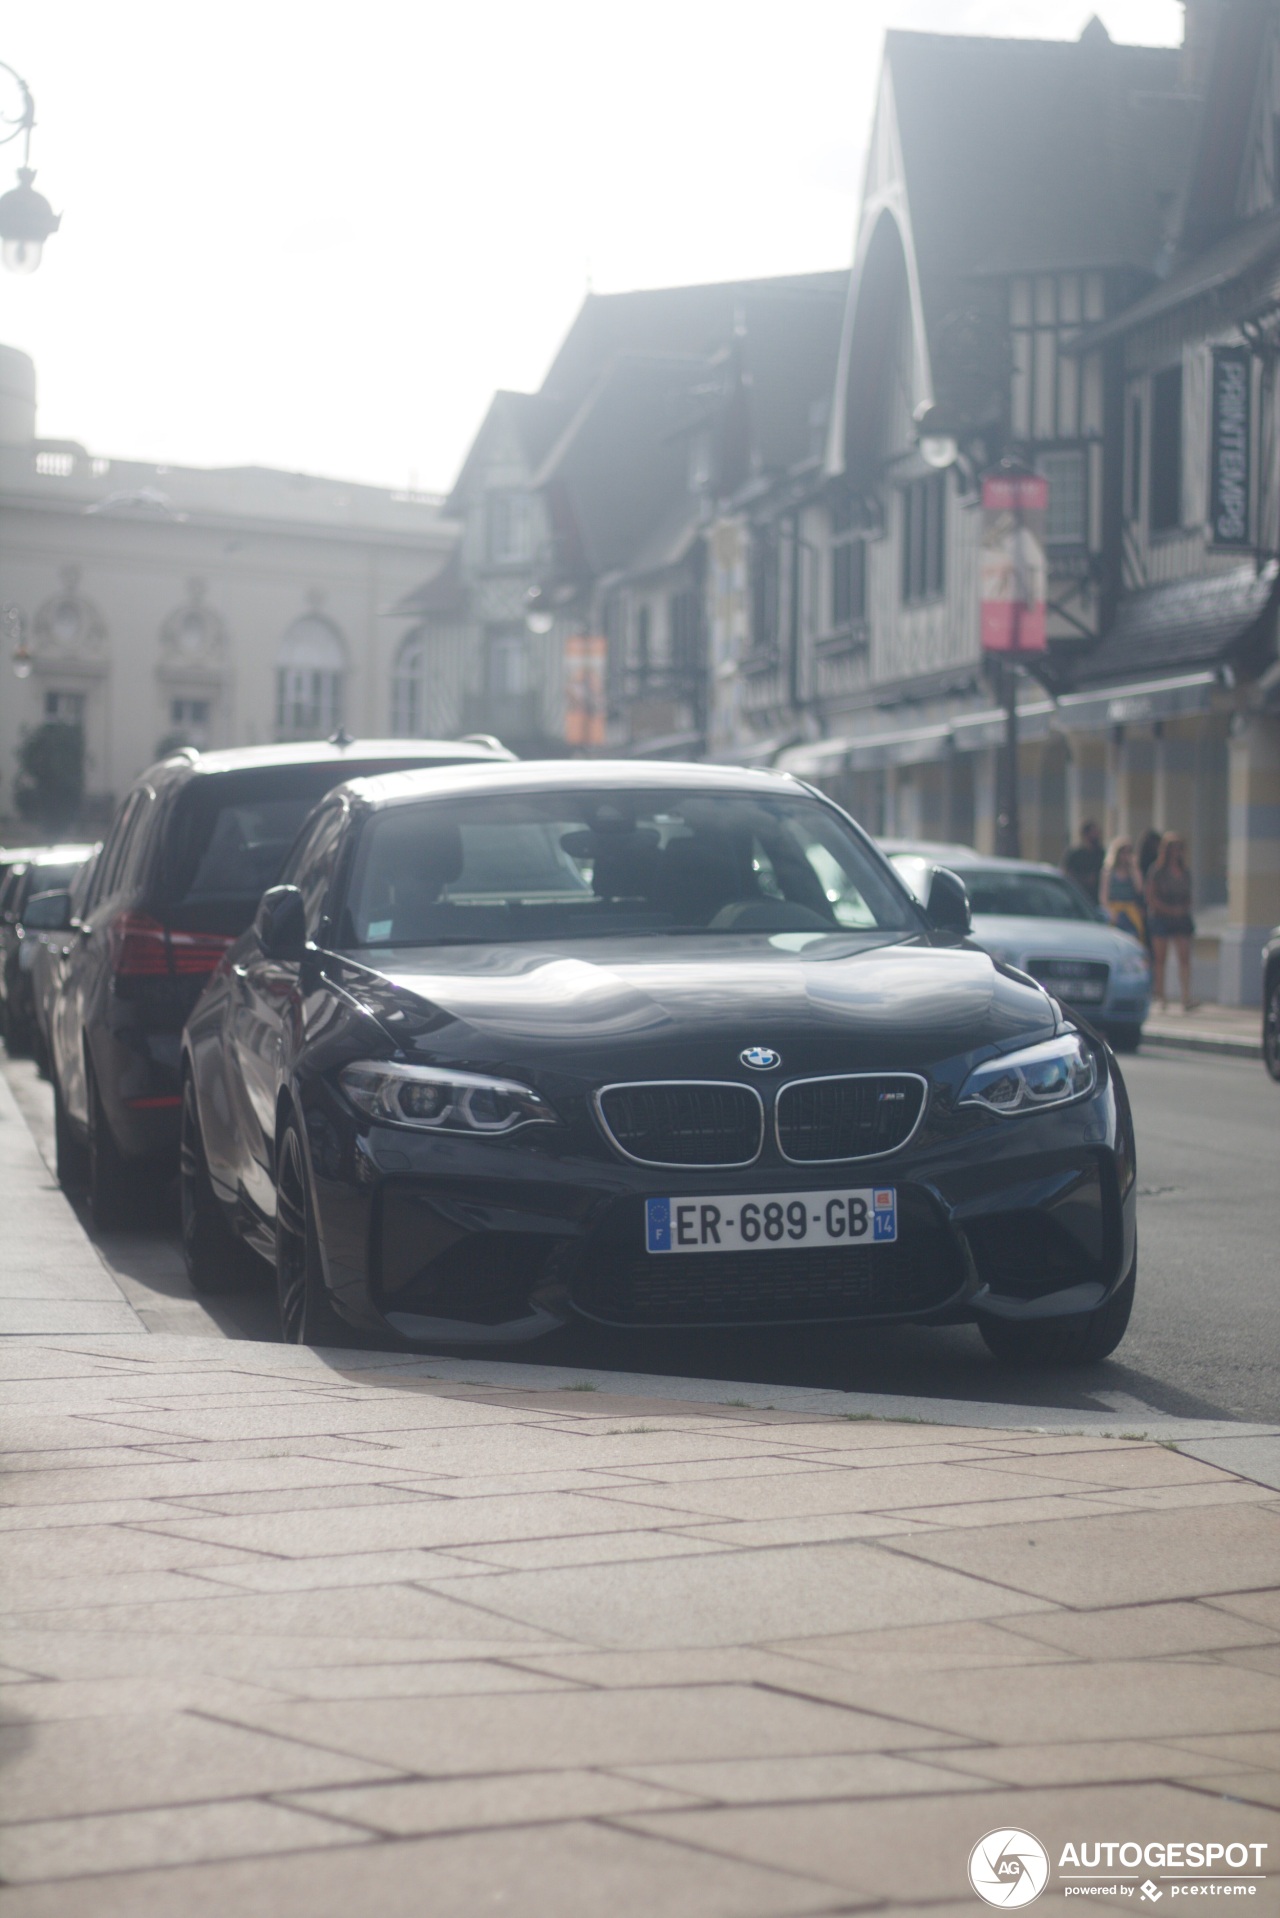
(1204, 1341)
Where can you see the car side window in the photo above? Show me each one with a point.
(115, 851)
(133, 853)
(311, 863)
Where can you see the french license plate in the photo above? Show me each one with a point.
(772, 1221)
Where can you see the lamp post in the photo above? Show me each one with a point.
(26, 218)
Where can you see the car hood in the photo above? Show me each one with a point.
(688, 1003)
(1052, 938)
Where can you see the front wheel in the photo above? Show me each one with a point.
(1271, 1028)
(71, 1155)
(1082, 1339)
(217, 1261)
(117, 1185)
(302, 1298)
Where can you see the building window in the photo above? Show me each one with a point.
(190, 717)
(409, 689)
(848, 568)
(1164, 480)
(507, 664)
(686, 634)
(1066, 520)
(644, 645)
(65, 707)
(310, 667)
(924, 539)
(508, 528)
(764, 590)
(1133, 470)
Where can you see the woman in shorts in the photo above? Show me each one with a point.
(1169, 920)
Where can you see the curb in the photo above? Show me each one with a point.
(1224, 1044)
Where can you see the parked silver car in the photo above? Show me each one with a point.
(1034, 918)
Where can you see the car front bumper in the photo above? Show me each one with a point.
(451, 1240)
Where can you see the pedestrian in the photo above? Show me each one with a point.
(1122, 889)
(1169, 921)
(1083, 861)
(1148, 847)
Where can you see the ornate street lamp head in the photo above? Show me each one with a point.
(26, 221)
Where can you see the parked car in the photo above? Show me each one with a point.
(187, 858)
(1271, 1003)
(54, 937)
(44, 869)
(1033, 917)
(646, 1045)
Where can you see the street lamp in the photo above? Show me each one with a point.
(26, 218)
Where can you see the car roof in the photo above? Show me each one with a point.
(541, 775)
(960, 856)
(327, 752)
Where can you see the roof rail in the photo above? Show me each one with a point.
(482, 739)
(341, 738)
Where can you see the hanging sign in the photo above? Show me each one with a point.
(1229, 461)
(1014, 574)
(585, 656)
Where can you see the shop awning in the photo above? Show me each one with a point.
(1137, 704)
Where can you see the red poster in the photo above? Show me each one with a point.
(1014, 573)
(585, 656)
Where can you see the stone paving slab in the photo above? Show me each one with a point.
(296, 1632)
(285, 1631)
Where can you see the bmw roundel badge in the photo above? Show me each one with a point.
(760, 1058)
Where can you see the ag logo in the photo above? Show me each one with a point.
(1008, 1868)
(761, 1058)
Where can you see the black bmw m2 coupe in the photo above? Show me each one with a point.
(649, 1045)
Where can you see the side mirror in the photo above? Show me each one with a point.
(281, 923)
(948, 903)
(48, 912)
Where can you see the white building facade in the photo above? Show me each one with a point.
(220, 607)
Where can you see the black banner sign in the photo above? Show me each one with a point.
(1229, 449)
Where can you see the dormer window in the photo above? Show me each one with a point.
(508, 528)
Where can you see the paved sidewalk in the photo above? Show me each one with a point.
(1235, 1031)
(296, 1633)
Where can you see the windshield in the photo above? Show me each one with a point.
(1025, 895)
(557, 865)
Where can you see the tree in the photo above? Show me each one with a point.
(50, 782)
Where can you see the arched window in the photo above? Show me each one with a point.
(409, 687)
(310, 667)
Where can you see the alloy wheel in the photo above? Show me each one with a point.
(291, 1240)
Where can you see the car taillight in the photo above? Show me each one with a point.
(194, 952)
(141, 948)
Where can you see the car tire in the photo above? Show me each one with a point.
(116, 1184)
(70, 1154)
(40, 1051)
(217, 1261)
(302, 1300)
(17, 1036)
(1082, 1339)
(1271, 1027)
(1125, 1038)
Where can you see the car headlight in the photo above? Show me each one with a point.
(1135, 964)
(442, 1101)
(1044, 1075)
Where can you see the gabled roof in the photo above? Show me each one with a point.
(444, 592)
(1237, 65)
(1022, 155)
(1252, 246)
(1186, 622)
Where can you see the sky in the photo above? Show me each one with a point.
(318, 236)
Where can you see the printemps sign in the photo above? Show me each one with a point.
(1009, 1868)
